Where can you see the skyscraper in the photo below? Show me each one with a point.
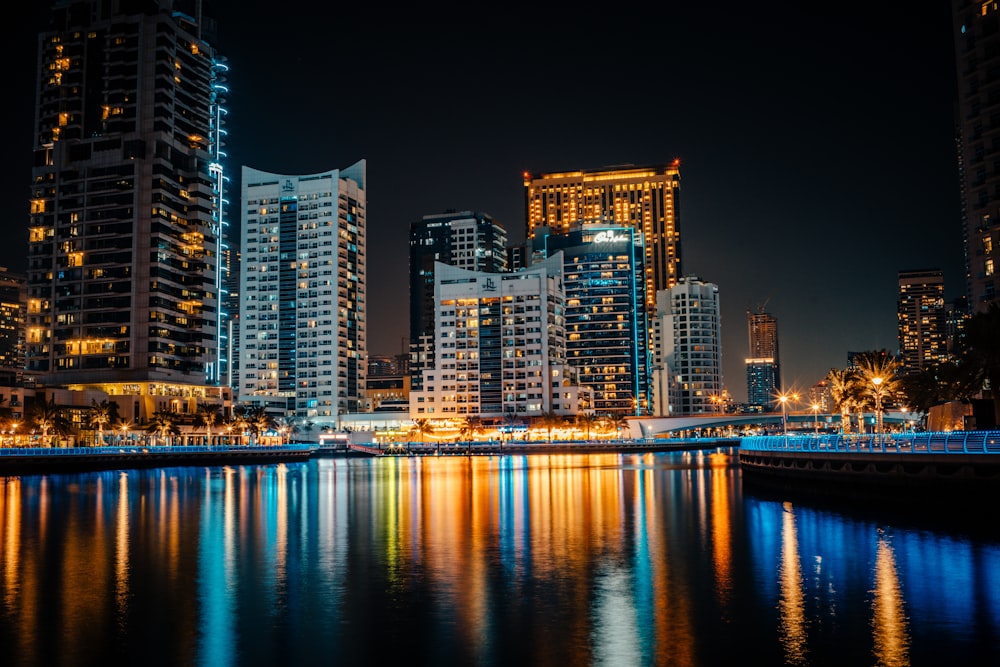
(607, 329)
(466, 239)
(127, 215)
(643, 198)
(12, 307)
(921, 316)
(762, 362)
(303, 292)
(689, 357)
(976, 26)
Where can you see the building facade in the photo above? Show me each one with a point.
(303, 292)
(976, 27)
(13, 302)
(645, 199)
(466, 239)
(127, 215)
(922, 319)
(501, 345)
(762, 363)
(688, 356)
(607, 330)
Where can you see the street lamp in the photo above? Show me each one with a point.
(815, 409)
(877, 383)
(783, 399)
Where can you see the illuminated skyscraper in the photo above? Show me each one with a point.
(127, 214)
(466, 239)
(643, 198)
(688, 354)
(12, 307)
(607, 332)
(976, 27)
(763, 365)
(303, 292)
(921, 315)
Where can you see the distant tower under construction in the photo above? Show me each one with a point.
(763, 367)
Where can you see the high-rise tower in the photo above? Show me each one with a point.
(763, 366)
(921, 315)
(302, 292)
(465, 239)
(976, 26)
(643, 198)
(127, 215)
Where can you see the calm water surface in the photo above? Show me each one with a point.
(562, 560)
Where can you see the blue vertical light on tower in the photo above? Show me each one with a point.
(219, 367)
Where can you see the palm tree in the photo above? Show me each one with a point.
(47, 416)
(163, 424)
(587, 421)
(879, 380)
(102, 414)
(549, 420)
(207, 415)
(286, 425)
(421, 427)
(843, 387)
(616, 422)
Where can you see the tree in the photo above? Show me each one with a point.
(207, 415)
(586, 421)
(421, 427)
(616, 422)
(101, 415)
(549, 420)
(286, 425)
(842, 391)
(163, 424)
(46, 416)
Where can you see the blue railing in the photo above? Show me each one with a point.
(954, 442)
(159, 449)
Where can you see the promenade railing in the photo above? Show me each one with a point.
(143, 449)
(953, 442)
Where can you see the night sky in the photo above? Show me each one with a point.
(816, 143)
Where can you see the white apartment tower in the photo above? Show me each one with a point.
(500, 346)
(687, 349)
(302, 292)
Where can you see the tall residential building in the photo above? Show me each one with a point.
(13, 290)
(607, 330)
(688, 350)
(642, 198)
(922, 319)
(976, 26)
(762, 362)
(501, 343)
(466, 239)
(303, 292)
(127, 214)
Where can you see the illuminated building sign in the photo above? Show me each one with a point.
(609, 236)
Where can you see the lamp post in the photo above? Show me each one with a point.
(877, 384)
(783, 399)
(815, 409)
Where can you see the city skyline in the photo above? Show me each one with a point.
(833, 130)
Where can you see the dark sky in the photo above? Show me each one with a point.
(816, 142)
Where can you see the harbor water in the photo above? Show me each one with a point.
(546, 559)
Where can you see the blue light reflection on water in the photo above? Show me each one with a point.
(588, 559)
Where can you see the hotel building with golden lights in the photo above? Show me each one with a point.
(645, 198)
(127, 216)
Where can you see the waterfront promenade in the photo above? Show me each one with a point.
(33, 460)
(954, 465)
(519, 447)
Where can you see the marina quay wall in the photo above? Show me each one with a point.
(930, 466)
